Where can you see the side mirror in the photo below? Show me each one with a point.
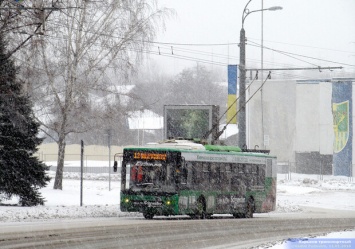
(115, 166)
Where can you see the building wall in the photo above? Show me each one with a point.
(307, 117)
(326, 132)
(314, 120)
(273, 117)
(297, 119)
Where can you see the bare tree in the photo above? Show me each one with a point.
(83, 47)
(23, 20)
(196, 85)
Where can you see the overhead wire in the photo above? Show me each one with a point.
(194, 59)
(199, 52)
(306, 46)
(291, 55)
(167, 54)
(235, 101)
(175, 55)
(169, 45)
(294, 54)
(246, 102)
(231, 105)
(193, 44)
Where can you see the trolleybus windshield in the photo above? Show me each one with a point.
(149, 176)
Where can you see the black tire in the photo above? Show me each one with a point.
(208, 216)
(148, 215)
(250, 208)
(193, 216)
(201, 208)
(238, 215)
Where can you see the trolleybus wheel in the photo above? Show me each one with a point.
(148, 215)
(208, 216)
(201, 208)
(238, 215)
(250, 207)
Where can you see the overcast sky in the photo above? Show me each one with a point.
(322, 29)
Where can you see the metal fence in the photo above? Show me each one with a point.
(96, 170)
(284, 168)
(72, 157)
(98, 164)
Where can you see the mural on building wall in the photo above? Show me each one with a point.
(342, 123)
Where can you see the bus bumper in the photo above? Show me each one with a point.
(157, 205)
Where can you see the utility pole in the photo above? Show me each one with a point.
(81, 172)
(109, 157)
(242, 72)
(242, 77)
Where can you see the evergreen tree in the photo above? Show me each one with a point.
(21, 173)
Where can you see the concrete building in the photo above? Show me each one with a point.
(294, 119)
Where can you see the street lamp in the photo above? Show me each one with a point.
(242, 70)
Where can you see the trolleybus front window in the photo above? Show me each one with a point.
(150, 176)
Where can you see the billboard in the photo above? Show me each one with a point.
(191, 121)
(342, 124)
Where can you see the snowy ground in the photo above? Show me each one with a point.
(330, 192)
(101, 198)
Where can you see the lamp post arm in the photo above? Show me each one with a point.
(247, 12)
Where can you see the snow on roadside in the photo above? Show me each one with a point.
(314, 191)
(100, 201)
(58, 212)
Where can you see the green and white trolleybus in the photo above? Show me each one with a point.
(180, 177)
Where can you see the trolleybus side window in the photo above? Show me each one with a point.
(181, 175)
(247, 177)
(206, 173)
(215, 176)
(190, 172)
(254, 169)
(199, 174)
(223, 179)
(221, 176)
(261, 175)
(229, 176)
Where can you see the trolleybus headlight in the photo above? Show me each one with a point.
(126, 200)
(168, 202)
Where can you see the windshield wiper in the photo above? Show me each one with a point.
(145, 184)
(149, 185)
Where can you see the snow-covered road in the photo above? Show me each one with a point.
(301, 196)
(219, 232)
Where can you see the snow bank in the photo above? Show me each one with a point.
(314, 191)
(101, 197)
